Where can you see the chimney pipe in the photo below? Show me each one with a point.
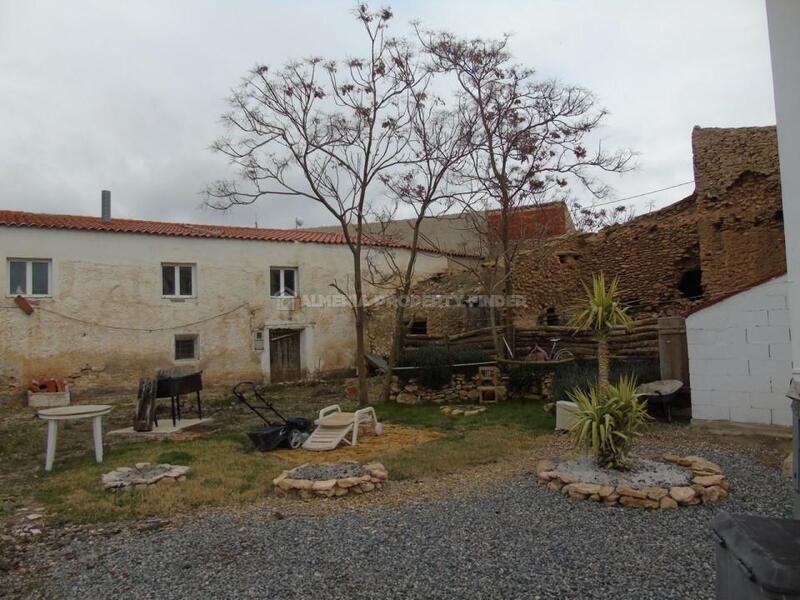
(105, 206)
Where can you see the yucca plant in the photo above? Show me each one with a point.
(608, 421)
(600, 312)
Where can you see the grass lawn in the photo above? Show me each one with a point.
(524, 417)
(504, 430)
(225, 469)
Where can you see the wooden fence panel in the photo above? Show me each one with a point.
(640, 340)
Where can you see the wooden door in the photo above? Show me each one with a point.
(284, 355)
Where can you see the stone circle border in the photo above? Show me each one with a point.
(375, 479)
(137, 477)
(709, 484)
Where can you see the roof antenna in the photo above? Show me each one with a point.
(256, 220)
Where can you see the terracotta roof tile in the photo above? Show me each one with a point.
(10, 218)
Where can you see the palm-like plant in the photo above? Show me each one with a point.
(607, 422)
(600, 312)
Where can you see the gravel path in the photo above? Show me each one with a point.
(517, 541)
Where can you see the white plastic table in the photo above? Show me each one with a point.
(96, 412)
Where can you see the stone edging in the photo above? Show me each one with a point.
(709, 484)
(375, 478)
(143, 475)
(466, 411)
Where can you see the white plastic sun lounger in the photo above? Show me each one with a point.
(333, 427)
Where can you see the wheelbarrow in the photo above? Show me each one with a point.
(660, 392)
(290, 432)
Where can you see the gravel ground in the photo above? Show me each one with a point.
(513, 540)
(328, 471)
(644, 472)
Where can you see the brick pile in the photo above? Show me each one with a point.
(37, 386)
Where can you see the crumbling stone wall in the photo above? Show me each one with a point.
(740, 217)
(443, 301)
(649, 255)
(726, 236)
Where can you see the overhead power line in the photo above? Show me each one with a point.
(619, 200)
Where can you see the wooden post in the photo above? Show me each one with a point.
(673, 353)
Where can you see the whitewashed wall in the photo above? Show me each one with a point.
(740, 357)
(114, 326)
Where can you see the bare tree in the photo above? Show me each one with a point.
(326, 132)
(439, 141)
(489, 271)
(531, 143)
(594, 217)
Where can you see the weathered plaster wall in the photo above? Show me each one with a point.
(121, 328)
(740, 357)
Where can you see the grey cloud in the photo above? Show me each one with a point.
(127, 96)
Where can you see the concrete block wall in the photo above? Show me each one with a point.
(740, 357)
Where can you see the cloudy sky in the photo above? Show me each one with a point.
(127, 95)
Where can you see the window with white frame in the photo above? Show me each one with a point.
(283, 282)
(29, 276)
(178, 280)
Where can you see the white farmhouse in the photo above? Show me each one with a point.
(115, 299)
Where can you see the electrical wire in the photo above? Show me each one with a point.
(671, 187)
(144, 329)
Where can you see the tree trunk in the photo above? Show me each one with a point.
(602, 362)
(360, 316)
(399, 313)
(361, 361)
(508, 283)
(394, 353)
(508, 314)
(498, 351)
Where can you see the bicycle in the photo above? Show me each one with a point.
(553, 354)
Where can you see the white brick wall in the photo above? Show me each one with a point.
(740, 357)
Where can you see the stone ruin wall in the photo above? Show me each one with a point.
(740, 217)
(730, 230)
(649, 255)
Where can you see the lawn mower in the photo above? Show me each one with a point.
(291, 432)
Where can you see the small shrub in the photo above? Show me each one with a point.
(436, 365)
(522, 378)
(608, 421)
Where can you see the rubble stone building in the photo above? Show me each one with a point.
(725, 236)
